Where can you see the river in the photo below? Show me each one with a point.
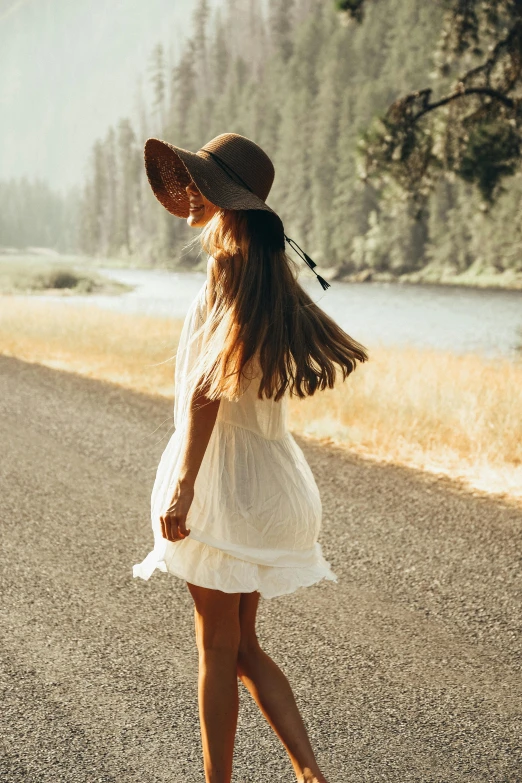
(454, 318)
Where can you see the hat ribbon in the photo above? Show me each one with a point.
(293, 244)
(306, 258)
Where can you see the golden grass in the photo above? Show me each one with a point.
(456, 415)
(135, 351)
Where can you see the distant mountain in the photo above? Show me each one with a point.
(68, 69)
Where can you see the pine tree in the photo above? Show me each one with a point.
(281, 28)
(158, 82)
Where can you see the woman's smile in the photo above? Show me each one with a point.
(200, 208)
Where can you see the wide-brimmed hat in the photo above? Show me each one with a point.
(231, 171)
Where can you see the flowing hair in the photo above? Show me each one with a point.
(260, 317)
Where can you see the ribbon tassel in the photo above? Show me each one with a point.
(323, 282)
(306, 258)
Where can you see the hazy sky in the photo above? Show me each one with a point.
(68, 69)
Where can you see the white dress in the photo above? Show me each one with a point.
(256, 513)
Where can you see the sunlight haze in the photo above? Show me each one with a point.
(70, 69)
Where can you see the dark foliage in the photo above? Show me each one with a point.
(474, 128)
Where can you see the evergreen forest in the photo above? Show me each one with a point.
(305, 83)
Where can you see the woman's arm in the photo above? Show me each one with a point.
(201, 419)
(202, 416)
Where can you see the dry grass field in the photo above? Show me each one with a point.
(131, 350)
(455, 415)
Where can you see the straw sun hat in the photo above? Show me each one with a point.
(231, 171)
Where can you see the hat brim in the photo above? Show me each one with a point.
(170, 169)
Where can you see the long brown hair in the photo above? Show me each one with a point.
(260, 316)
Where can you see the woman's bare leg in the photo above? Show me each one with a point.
(273, 694)
(217, 635)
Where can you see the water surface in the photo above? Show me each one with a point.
(453, 318)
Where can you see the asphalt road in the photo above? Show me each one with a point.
(408, 669)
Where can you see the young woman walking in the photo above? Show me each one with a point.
(236, 511)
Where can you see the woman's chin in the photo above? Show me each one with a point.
(196, 221)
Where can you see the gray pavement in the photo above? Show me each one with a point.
(406, 670)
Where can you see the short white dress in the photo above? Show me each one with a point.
(256, 513)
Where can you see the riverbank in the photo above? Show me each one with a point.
(478, 275)
(447, 414)
(57, 276)
(484, 277)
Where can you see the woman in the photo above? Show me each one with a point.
(236, 511)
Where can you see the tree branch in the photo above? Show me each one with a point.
(461, 94)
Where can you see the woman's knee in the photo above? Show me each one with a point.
(221, 637)
(248, 652)
(248, 644)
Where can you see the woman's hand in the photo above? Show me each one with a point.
(173, 521)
